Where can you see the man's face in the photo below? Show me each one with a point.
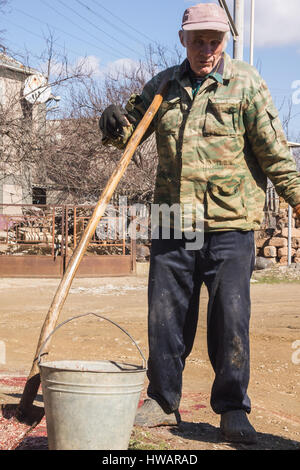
(204, 49)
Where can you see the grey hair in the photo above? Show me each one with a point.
(226, 38)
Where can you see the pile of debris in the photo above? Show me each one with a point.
(25, 240)
(278, 273)
(272, 244)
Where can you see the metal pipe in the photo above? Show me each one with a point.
(62, 242)
(53, 232)
(293, 144)
(252, 31)
(238, 45)
(233, 29)
(25, 71)
(290, 216)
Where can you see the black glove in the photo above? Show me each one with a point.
(112, 121)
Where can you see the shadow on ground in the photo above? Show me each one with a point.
(38, 398)
(204, 432)
(33, 443)
(197, 432)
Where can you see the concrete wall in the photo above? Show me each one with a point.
(15, 185)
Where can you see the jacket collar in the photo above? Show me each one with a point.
(224, 70)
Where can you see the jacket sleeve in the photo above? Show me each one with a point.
(266, 136)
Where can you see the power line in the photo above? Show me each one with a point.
(62, 31)
(38, 36)
(110, 23)
(97, 27)
(78, 26)
(127, 24)
(122, 21)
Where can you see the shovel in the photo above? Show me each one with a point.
(17, 420)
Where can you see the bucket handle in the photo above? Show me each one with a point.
(96, 315)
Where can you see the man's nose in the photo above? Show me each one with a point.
(206, 49)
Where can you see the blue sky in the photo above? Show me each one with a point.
(110, 32)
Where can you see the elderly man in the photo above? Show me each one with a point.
(218, 138)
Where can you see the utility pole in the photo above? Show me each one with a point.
(239, 15)
(252, 31)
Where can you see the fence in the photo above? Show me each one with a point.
(38, 241)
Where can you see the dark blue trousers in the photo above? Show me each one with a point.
(224, 264)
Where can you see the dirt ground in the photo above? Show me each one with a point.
(275, 357)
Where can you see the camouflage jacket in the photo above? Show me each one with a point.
(217, 149)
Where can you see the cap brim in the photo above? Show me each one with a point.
(212, 26)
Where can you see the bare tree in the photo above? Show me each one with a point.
(296, 153)
(62, 152)
(288, 115)
(86, 103)
(25, 135)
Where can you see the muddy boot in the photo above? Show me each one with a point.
(150, 414)
(235, 427)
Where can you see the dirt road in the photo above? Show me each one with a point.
(275, 356)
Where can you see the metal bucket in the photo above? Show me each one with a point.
(90, 405)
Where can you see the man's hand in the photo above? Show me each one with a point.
(297, 211)
(112, 121)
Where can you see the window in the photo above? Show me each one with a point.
(39, 196)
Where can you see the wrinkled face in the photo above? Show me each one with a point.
(204, 49)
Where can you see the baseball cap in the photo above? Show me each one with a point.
(205, 16)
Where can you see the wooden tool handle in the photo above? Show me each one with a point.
(33, 381)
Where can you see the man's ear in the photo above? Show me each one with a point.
(181, 37)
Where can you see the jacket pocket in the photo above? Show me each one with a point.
(225, 200)
(221, 117)
(169, 116)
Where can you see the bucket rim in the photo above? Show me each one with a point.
(135, 368)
